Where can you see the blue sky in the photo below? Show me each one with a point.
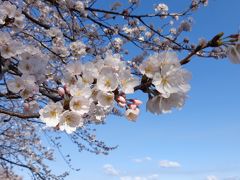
(200, 142)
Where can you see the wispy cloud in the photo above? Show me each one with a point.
(150, 177)
(232, 178)
(110, 170)
(211, 177)
(169, 164)
(140, 160)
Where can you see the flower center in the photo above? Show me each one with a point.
(53, 113)
(107, 83)
(77, 105)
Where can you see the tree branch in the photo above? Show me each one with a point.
(19, 115)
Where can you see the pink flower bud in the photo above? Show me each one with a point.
(122, 104)
(121, 99)
(133, 106)
(122, 94)
(26, 106)
(61, 91)
(137, 102)
(66, 89)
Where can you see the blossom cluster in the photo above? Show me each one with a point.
(32, 66)
(89, 91)
(9, 14)
(233, 52)
(170, 82)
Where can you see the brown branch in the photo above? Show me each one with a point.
(22, 165)
(10, 96)
(188, 58)
(135, 16)
(214, 42)
(36, 21)
(19, 115)
(143, 86)
(46, 26)
(50, 95)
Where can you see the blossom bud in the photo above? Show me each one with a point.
(66, 89)
(132, 106)
(26, 106)
(137, 102)
(121, 99)
(61, 91)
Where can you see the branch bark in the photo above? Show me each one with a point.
(19, 115)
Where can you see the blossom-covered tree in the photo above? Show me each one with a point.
(64, 65)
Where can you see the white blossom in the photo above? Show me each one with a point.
(27, 66)
(97, 113)
(54, 32)
(19, 20)
(9, 49)
(167, 58)
(105, 99)
(134, 1)
(80, 6)
(132, 114)
(107, 80)
(7, 10)
(171, 80)
(127, 82)
(74, 68)
(70, 121)
(149, 67)
(117, 43)
(80, 105)
(113, 61)
(50, 114)
(234, 53)
(29, 91)
(33, 64)
(162, 8)
(184, 26)
(87, 78)
(160, 105)
(81, 90)
(78, 48)
(16, 84)
(19, 83)
(69, 80)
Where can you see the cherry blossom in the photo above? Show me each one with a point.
(107, 80)
(132, 114)
(69, 121)
(50, 114)
(234, 53)
(105, 99)
(80, 105)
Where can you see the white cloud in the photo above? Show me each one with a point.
(153, 177)
(232, 178)
(169, 164)
(110, 170)
(211, 177)
(140, 160)
(126, 178)
(150, 177)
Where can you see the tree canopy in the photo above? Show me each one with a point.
(67, 64)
